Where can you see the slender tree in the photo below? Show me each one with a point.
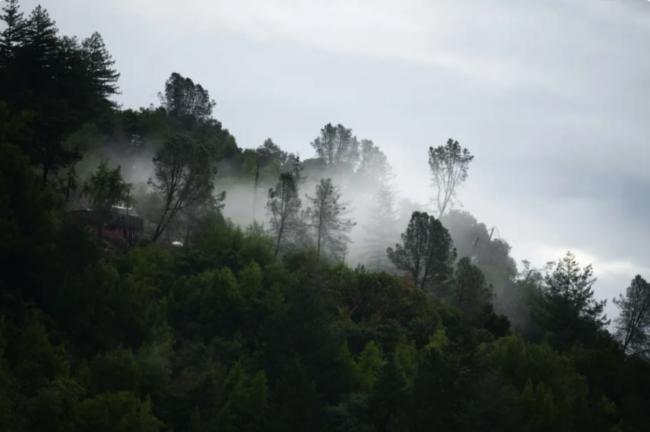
(449, 165)
(426, 252)
(327, 218)
(633, 324)
(284, 207)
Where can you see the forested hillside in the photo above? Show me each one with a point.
(158, 277)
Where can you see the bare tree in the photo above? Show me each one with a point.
(633, 324)
(449, 165)
(327, 218)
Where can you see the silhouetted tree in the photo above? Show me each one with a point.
(284, 207)
(184, 175)
(13, 33)
(327, 218)
(449, 164)
(426, 252)
(633, 323)
(100, 66)
(62, 84)
(183, 99)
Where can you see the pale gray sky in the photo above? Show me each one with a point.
(552, 97)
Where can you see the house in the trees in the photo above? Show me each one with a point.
(124, 225)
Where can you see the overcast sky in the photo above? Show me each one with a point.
(551, 96)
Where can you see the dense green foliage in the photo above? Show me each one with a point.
(227, 333)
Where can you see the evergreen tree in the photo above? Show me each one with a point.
(470, 292)
(327, 218)
(633, 323)
(100, 66)
(13, 34)
(41, 38)
(567, 309)
(426, 252)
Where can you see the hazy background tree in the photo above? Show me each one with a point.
(381, 228)
(633, 323)
(104, 189)
(327, 217)
(426, 252)
(449, 165)
(284, 207)
(374, 190)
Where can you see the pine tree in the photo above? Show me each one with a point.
(14, 32)
(327, 218)
(633, 324)
(41, 38)
(566, 308)
(100, 66)
(426, 252)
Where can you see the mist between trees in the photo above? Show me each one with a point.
(161, 274)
